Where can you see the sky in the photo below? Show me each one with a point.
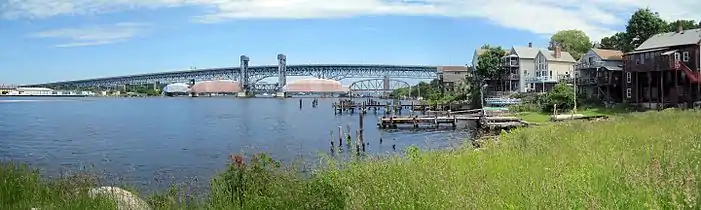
(58, 40)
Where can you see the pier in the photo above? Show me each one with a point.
(485, 119)
(396, 107)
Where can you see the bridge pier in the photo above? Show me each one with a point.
(243, 94)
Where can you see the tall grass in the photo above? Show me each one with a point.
(645, 160)
(23, 188)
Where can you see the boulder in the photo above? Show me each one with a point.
(125, 200)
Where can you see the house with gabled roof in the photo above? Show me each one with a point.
(664, 70)
(550, 67)
(520, 61)
(598, 75)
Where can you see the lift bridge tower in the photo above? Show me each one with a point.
(243, 77)
(282, 74)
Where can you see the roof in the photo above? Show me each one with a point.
(687, 37)
(452, 68)
(611, 55)
(613, 68)
(564, 56)
(527, 52)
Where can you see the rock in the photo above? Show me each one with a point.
(125, 199)
(566, 117)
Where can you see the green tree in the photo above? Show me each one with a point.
(686, 24)
(642, 25)
(562, 95)
(489, 62)
(574, 41)
(614, 42)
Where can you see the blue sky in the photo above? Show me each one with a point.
(56, 40)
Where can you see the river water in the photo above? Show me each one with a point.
(139, 139)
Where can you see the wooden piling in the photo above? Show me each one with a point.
(357, 144)
(331, 141)
(340, 136)
(361, 138)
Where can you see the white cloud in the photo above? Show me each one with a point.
(596, 17)
(93, 35)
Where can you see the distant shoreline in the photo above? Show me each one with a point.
(57, 96)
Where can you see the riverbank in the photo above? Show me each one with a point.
(637, 161)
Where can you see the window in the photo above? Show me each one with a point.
(551, 73)
(637, 61)
(642, 58)
(628, 77)
(676, 56)
(525, 72)
(629, 93)
(685, 56)
(537, 74)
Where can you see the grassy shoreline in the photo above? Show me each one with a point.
(642, 160)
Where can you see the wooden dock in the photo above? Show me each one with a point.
(416, 121)
(350, 106)
(485, 120)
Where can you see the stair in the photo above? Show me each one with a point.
(693, 77)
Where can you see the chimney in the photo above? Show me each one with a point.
(530, 44)
(679, 27)
(557, 51)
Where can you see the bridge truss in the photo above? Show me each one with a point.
(378, 85)
(253, 75)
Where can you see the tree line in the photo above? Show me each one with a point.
(642, 25)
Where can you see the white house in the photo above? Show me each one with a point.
(549, 68)
(523, 58)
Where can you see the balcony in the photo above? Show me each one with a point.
(589, 64)
(542, 79)
(510, 61)
(587, 81)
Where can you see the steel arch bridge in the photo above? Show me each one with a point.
(378, 85)
(250, 76)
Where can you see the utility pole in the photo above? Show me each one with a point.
(576, 73)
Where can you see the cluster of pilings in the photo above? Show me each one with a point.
(347, 138)
(315, 103)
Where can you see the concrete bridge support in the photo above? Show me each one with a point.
(282, 74)
(243, 77)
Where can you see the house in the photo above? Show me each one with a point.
(452, 76)
(664, 70)
(599, 75)
(494, 86)
(522, 61)
(550, 67)
(519, 61)
(475, 56)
